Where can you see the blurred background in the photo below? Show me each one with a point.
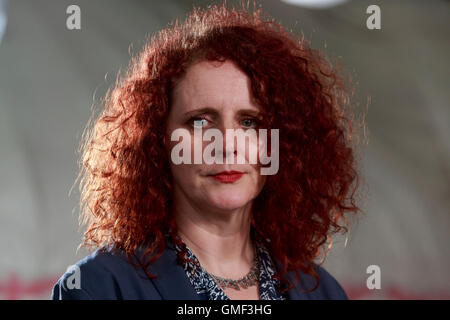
(50, 76)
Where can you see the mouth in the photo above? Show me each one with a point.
(228, 176)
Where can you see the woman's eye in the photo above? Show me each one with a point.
(198, 122)
(249, 123)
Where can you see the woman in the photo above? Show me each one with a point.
(170, 230)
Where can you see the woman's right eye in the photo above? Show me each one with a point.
(198, 122)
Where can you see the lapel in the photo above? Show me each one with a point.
(296, 292)
(172, 282)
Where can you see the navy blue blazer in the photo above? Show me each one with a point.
(108, 275)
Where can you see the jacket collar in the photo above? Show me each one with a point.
(173, 284)
(171, 281)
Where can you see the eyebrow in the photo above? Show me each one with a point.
(255, 113)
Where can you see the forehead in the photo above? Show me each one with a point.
(213, 84)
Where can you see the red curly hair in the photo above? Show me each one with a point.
(126, 188)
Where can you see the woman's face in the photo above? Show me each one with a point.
(214, 95)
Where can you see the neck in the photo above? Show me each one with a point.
(220, 240)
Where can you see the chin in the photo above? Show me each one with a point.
(229, 200)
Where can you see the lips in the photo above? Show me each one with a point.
(228, 176)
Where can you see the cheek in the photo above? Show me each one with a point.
(249, 147)
(183, 174)
(259, 180)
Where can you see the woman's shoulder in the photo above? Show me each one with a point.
(328, 288)
(103, 274)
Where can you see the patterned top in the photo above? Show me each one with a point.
(205, 285)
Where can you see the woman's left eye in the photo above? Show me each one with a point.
(249, 123)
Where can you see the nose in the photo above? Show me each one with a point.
(229, 143)
(230, 148)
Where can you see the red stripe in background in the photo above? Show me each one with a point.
(393, 292)
(13, 287)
